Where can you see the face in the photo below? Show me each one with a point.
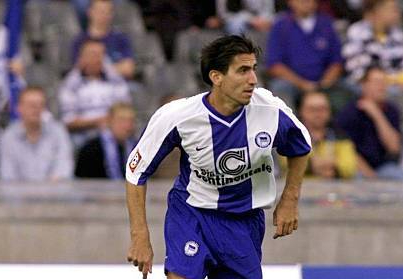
(122, 124)
(101, 13)
(31, 106)
(315, 111)
(374, 87)
(303, 8)
(236, 86)
(91, 58)
(387, 13)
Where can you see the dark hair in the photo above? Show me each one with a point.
(29, 89)
(371, 5)
(368, 71)
(218, 54)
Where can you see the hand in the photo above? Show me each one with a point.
(141, 254)
(307, 86)
(16, 67)
(369, 107)
(285, 217)
(260, 24)
(323, 167)
(213, 22)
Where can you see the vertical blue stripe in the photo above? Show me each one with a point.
(182, 180)
(236, 198)
(13, 22)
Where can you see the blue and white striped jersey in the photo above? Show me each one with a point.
(226, 162)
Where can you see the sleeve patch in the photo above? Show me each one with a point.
(135, 161)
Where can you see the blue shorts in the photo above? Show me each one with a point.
(204, 242)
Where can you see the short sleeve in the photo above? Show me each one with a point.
(292, 138)
(157, 141)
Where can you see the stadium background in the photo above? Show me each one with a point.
(79, 228)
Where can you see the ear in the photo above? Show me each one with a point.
(216, 77)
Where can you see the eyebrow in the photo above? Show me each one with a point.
(248, 67)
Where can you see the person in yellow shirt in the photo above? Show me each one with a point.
(332, 156)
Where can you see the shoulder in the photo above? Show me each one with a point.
(361, 30)
(179, 110)
(282, 18)
(264, 97)
(92, 146)
(117, 35)
(11, 133)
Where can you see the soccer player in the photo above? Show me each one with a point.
(215, 222)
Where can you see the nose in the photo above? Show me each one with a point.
(252, 80)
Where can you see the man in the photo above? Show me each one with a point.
(105, 156)
(35, 148)
(88, 92)
(316, 64)
(240, 16)
(332, 156)
(376, 39)
(215, 222)
(118, 47)
(372, 123)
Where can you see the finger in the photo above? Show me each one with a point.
(285, 229)
(295, 227)
(141, 265)
(290, 228)
(279, 230)
(135, 263)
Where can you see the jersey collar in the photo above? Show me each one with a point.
(226, 120)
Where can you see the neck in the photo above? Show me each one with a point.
(33, 132)
(318, 134)
(302, 16)
(223, 105)
(98, 31)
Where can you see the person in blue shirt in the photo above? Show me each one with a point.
(215, 222)
(303, 52)
(118, 46)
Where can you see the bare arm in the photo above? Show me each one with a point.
(140, 251)
(126, 68)
(80, 124)
(388, 135)
(331, 75)
(285, 216)
(282, 71)
(364, 168)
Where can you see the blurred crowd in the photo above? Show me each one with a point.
(95, 70)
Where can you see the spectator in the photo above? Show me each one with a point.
(88, 91)
(316, 64)
(373, 125)
(332, 156)
(240, 16)
(377, 39)
(105, 156)
(118, 47)
(35, 148)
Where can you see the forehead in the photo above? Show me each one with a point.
(315, 100)
(244, 59)
(32, 95)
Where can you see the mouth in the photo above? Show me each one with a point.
(248, 92)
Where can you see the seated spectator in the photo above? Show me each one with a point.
(239, 16)
(88, 92)
(118, 47)
(377, 39)
(105, 156)
(332, 156)
(373, 125)
(35, 147)
(303, 52)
